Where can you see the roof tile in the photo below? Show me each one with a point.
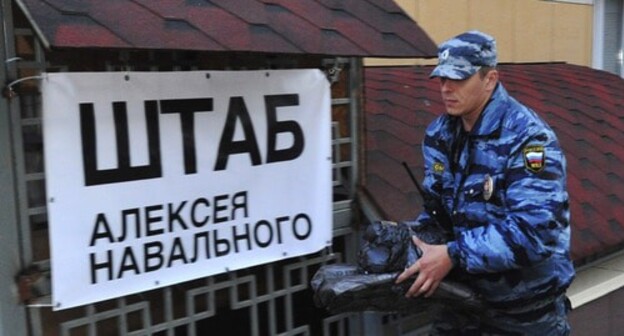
(321, 27)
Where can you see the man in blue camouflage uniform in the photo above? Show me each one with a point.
(498, 172)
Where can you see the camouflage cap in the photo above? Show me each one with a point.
(463, 55)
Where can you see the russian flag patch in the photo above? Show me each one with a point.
(534, 158)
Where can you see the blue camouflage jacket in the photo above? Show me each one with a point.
(504, 186)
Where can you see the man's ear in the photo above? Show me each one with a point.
(491, 78)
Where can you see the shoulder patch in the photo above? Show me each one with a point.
(438, 167)
(534, 158)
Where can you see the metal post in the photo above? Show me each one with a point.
(13, 317)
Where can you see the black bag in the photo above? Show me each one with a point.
(387, 249)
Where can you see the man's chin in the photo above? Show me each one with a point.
(453, 112)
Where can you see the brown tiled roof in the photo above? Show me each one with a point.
(585, 107)
(377, 28)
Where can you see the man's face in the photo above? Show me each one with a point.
(466, 98)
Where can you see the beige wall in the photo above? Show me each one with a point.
(525, 30)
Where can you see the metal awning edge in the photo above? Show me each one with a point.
(597, 280)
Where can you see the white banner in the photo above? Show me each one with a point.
(158, 178)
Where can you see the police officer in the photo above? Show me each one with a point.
(497, 169)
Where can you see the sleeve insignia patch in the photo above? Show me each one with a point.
(534, 158)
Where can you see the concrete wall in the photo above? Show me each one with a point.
(525, 30)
